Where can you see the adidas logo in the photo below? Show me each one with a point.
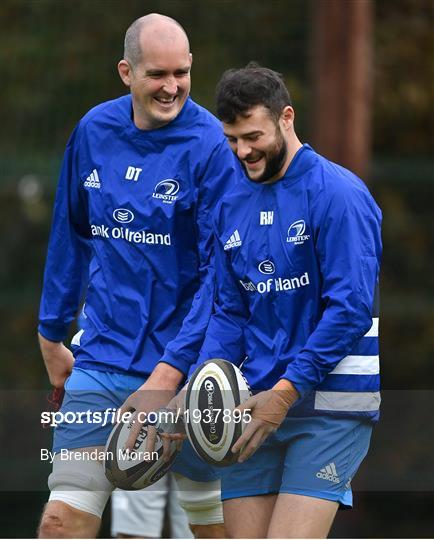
(92, 181)
(234, 241)
(329, 473)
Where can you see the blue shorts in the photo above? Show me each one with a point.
(315, 456)
(91, 390)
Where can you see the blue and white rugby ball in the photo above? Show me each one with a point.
(213, 392)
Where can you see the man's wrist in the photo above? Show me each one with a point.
(166, 376)
(287, 391)
(48, 342)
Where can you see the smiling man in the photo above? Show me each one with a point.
(297, 305)
(263, 152)
(131, 236)
(159, 81)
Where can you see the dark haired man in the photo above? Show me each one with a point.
(131, 234)
(296, 304)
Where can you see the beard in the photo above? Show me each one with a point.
(275, 158)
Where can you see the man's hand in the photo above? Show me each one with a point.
(58, 360)
(176, 407)
(268, 410)
(154, 394)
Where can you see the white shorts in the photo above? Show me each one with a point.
(141, 513)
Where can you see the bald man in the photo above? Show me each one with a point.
(131, 237)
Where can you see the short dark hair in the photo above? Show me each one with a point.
(241, 89)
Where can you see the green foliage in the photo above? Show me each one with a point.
(404, 76)
(59, 57)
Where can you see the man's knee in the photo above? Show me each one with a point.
(200, 501)
(216, 530)
(79, 493)
(59, 520)
(51, 524)
(79, 485)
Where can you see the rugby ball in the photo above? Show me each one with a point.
(213, 392)
(129, 470)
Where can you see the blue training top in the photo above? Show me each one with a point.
(132, 236)
(297, 266)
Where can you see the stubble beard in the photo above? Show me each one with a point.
(274, 158)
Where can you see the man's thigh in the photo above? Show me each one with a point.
(248, 517)
(249, 491)
(299, 516)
